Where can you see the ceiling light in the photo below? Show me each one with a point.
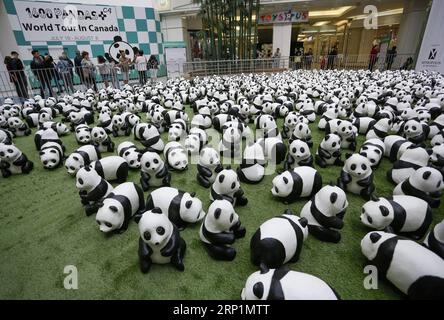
(330, 13)
(321, 23)
(380, 14)
(341, 22)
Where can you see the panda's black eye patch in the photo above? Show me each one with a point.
(414, 128)
(188, 204)
(343, 129)
(233, 185)
(116, 45)
(258, 289)
(294, 150)
(384, 211)
(156, 161)
(109, 225)
(285, 180)
(10, 150)
(302, 150)
(353, 167)
(333, 144)
(160, 231)
(372, 161)
(231, 217)
(147, 235)
(369, 219)
(377, 151)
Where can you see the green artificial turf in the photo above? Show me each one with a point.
(44, 228)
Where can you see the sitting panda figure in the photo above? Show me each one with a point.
(196, 140)
(437, 156)
(325, 212)
(406, 216)
(92, 189)
(292, 185)
(425, 183)
(128, 151)
(415, 132)
(149, 136)
(274, 148)
(436, 126)
(81, 157)
(154, 172)
(435, 239)
(178, 130)
(101, 140)
(411, 160)
(290, 122)
(83, 134)
(298, 155)
(364, 124)
(278, 240)
(6, 136)
(329, 151)
(285, 284)
(175, 156)
(58, 127)
(220, 228)
(380, 129)
(395, 146)
(51, 155)
(13, 161)
(105, 121)
(160, 241)
(120, 127)
(18, 127)
(227, 186)
(413, 269)
(43, 136)
(251, 169)
(208, 166)
(119, 206)
(347, 132)
(302, 132)
(182, 208)
(357, 176)
(111, 168)
(373, 150)
(230, 144)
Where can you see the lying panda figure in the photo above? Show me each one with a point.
(208, 166)
(416, 132)
(52, 155)
(128, 151)
(413, 269)
(292, 185)
(380, 129)
(182, 208)
(13, 161)
(219, 230)
(407, 216)
(43, 136)
(329, 151)
(425, 183)
(176, 156)
(285, 284)
(298, 155)
(411, 160)
(92, 189)
(435, 239)
(252, 170)
(154, 172)
(119, 206)
(81, 157)
(325, 213)
(373, 150)
(111, 168)
(357, 176)
(227, 186)
(83, 134)
(278, 240)
(160, 241)
(149, 136)
(395, 146)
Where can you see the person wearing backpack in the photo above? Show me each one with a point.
(64, 67)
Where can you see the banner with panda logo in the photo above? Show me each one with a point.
(43, 21)
(431, 54)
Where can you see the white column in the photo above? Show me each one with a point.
(282, 38)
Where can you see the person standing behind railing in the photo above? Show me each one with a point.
(391, 55)
(113, 73)
(89, 71)
(78, 66)
(153, 65)
(37, 67)
(141, 64)
(373, 57)
(124, 64)
(64, 66)
(332, 57)
(276, 57)
(104, 70)
(18, 76)
(308, 59)
(51, 72)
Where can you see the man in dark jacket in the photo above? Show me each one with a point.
(18, 76)
(78, 66)
(38, 68)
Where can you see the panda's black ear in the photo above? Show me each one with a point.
(374, 198)
(113, 209)
(87, 168)
(384, 211)
(117, 38)
(228, 167)
(429, 151)
(333, 197)
(156, 210)
(217, 213)
(374, 237)
(221, 178)
(188, 204)
(258, 290)
(348, 155)
(193, 194)
(41, 153)
(426, 175)
(327, 137)
(263, 268)
(303, 222)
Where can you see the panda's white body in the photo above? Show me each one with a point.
(227, 186)
(154, 171)
(128, 151)
(329, 151)
(101, 139)
(196, 140)
(46, 135)
(230, 145)
(252, 169)
(395, 146)
(13, 160)
(298, 155)
(177, 130)
(207, 163)
(181, 207)
(176, 156)
(380, 129)
(81, 157)
(286, 232)
(285, 284)
(301, 182)
(408, 216)
(373, 150)
(302, 132)
(413, 269)
(357, 169)
(119, 207)
(274, 149)
(51, 154)
(364, 124)
(111, 168)
(435, 239)
(408, 163)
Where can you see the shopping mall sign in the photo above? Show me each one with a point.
(284, 17)
(45, 21)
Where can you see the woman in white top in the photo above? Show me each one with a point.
(141, 66)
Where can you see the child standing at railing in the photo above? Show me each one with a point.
(104, 70)
(141, 66)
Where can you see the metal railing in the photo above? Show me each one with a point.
(349, 62)
(23, 84)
